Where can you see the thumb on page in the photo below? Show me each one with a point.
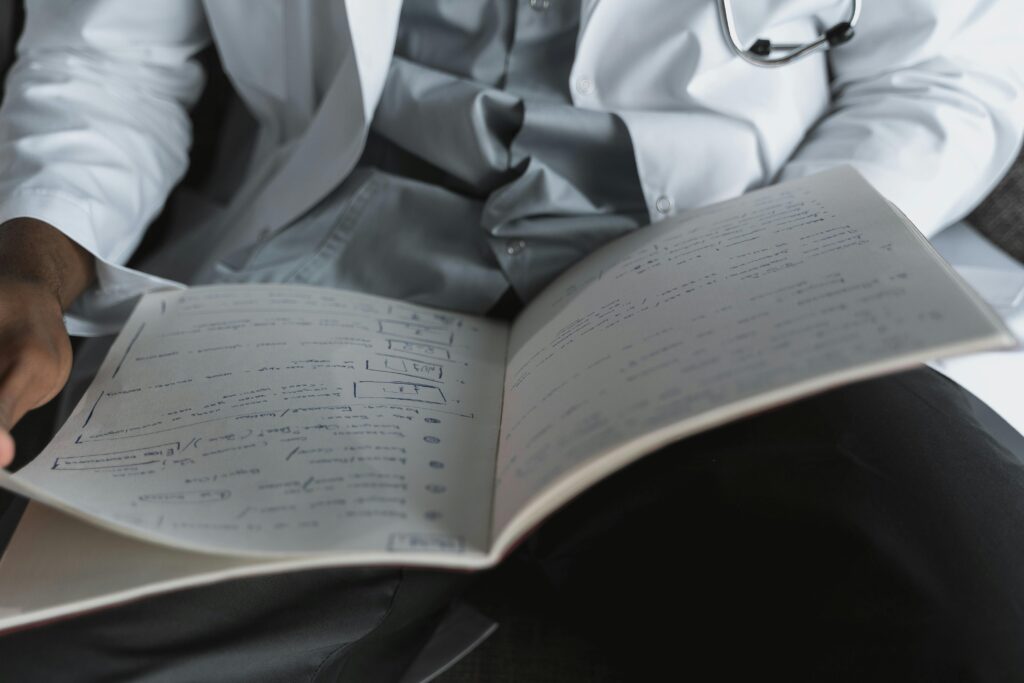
(35, 354)
(6, 448)
(32, 378)
(26, 385)
(11, 411)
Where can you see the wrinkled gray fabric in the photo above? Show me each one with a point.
(479, 172)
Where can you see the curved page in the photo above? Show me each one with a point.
(282, 420)
(689, 324)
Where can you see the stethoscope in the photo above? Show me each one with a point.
(760, 53)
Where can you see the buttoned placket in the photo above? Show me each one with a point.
(515, 247)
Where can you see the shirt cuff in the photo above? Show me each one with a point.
(104, 306)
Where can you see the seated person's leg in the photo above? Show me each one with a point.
(872, 533)
(875, 532)
(324, 625)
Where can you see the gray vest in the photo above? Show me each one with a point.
(479, 174)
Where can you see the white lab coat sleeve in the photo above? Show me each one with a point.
(94, 129)
(928, 104)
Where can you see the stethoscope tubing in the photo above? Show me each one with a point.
(792, 52)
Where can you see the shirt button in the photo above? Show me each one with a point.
(540, 5)
(664, 205)
(513, 247)
(584, 85)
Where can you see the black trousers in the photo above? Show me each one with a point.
(873, 533)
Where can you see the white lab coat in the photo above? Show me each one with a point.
(927, 102)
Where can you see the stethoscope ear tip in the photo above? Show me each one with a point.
(840, 33)
(762, 47)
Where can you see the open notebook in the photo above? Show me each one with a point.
(244, 429)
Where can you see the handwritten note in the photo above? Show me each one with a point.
(693, 323)
(283, 419)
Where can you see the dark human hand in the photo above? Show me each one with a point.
(41, 273)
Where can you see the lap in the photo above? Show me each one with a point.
(872, 531)
(324, 625)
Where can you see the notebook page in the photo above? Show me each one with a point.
(271, 419)
(685, 325)
(37, 583)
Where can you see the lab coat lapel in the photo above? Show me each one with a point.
(330, 147)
